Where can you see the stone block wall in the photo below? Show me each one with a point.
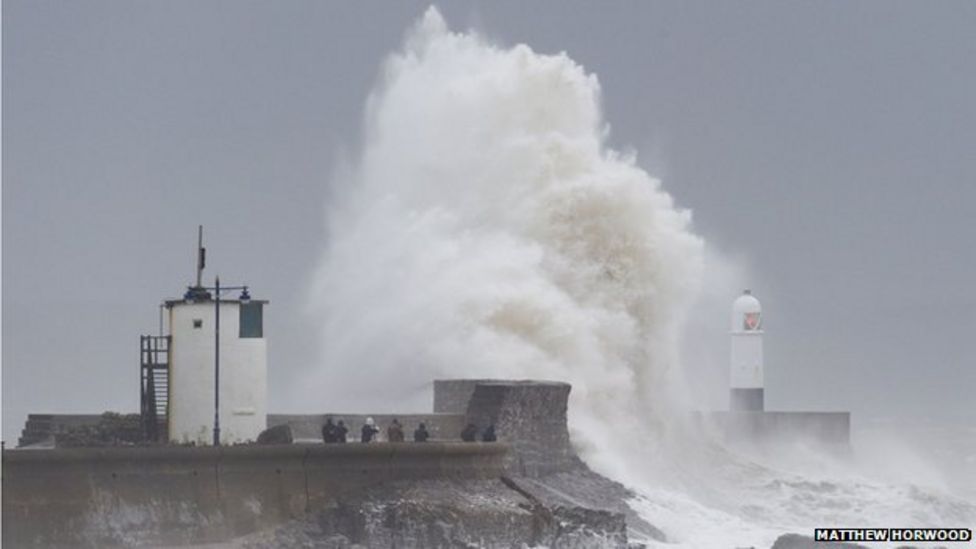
(451, 396)
(531, 417)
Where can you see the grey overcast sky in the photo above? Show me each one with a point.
(830, 146)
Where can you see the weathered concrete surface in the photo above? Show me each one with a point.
(445, 514)
(123, 497)
(337, 495)
(531, 416)
(92, 497)
(451, 396)
(589, 490)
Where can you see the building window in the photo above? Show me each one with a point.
(198, 323)
(251, 321)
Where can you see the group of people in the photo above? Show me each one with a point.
(334, 432)
(337, 432)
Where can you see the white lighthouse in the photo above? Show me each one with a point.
(746, 380)
(207, 379)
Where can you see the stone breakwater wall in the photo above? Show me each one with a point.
(451, 396)
(531, 416)
(408, 494)
(123, 497)
(520, 409)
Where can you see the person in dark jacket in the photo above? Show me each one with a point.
(470, 433)
(394, 433)
(420, 434)
(489, 434)
(340, 432)
(369, 430)
(328, 432)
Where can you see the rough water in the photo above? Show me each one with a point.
(485, 229)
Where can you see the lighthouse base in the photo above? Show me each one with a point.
(746, 400)
(765, 430)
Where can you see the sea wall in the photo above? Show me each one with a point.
(531, 416)
(451, 396)
(830, 430)
(122, 497)
(173, 496)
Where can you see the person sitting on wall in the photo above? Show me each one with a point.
(470, 433)
(420, 434)
(489, 434)
(328, 432)
(369, 430)
(340, 432)
(394, 433)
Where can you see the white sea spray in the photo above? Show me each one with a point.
(485, 229)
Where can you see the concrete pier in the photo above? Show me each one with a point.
(183, 495)
(112, 497)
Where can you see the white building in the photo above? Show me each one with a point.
(746, 379)
(179, 371)
(243, 369)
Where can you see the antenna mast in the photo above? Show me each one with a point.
(201, 256)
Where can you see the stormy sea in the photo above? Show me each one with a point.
(483, 228)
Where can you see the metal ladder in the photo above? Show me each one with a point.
(154, 387)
